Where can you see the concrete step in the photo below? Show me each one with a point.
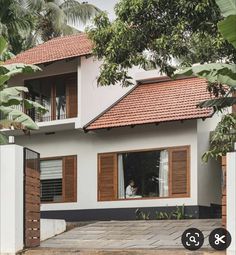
(47, 251)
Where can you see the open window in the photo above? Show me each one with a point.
(58, 94)
(145, 174)
(58, 179)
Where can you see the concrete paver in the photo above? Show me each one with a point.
(130, 235)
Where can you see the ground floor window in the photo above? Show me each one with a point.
(144, 174)
(58, 179)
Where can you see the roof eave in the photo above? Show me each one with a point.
(86, 129)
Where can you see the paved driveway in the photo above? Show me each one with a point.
(129, 235)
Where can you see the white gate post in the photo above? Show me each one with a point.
(231, 200)
(11, 199)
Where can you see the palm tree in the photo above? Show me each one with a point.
(58, 17)
(15, 23)
(25, 23)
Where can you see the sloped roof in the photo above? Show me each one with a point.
(55, 49)
(158, 102)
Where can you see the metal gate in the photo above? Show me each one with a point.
(31, 198)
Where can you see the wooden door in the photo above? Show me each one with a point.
(71, 98)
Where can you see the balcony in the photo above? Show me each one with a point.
(58, 94)
(58, 108)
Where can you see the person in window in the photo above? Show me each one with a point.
(131, 190)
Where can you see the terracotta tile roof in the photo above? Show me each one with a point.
(156, 102)
(55, 49)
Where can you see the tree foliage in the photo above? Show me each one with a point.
(164, 34)
(12, 97)
(27, 22)
(171, 35)
(222, 82)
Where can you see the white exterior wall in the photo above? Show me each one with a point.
(94, 99)
(59, 67)
(11, 199)
(231, 200)
(87, 146)
(209, 174)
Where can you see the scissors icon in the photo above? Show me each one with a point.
(219, 239)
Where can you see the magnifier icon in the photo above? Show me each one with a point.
(192, 239)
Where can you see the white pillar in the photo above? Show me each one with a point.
(11, 199)
(231, 200)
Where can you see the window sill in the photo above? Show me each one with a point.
(59, 202)
(145, 198)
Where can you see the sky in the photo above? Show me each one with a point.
(105, 5)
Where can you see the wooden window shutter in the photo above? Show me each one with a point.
(71, 98)
(69, 179)
(179, 171)
(234, 105)
(107, 177)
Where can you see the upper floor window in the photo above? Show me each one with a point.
(58, 94)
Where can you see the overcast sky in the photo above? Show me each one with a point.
(105, 5)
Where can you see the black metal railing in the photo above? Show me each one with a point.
(56, 109)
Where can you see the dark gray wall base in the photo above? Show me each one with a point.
(197, 212)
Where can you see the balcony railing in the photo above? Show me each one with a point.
(57, 109)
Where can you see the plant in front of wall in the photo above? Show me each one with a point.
(140, 215)
(178, 214)
(163, 215)
(12, 97)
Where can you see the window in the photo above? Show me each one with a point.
(59, 179)
(58, 94)
(144, 174)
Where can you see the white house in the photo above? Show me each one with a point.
(94, 140)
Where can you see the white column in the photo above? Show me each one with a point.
(11, 199)
(231, 200)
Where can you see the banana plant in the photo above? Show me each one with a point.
(12, 96)
(221, 79)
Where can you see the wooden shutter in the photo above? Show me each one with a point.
(69, 179)
(107, 177)
(179, 171)
(71, 98)
(234, 105)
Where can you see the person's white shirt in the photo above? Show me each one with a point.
(129, 191)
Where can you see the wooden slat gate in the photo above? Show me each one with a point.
(224, 195)
(31, 198)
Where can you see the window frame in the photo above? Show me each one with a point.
(63, 179)
(67, 77)
(169, 149)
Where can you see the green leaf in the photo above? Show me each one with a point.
(214, 72)
(3, 45)
(18, 117)
(12, 96)
(227, 28)
(3, 139)
(218, 103)
(7, 71)
(31, 104)
(227, 7)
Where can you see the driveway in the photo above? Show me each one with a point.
(130, 235)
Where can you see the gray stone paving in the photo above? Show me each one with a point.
(130, 235)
